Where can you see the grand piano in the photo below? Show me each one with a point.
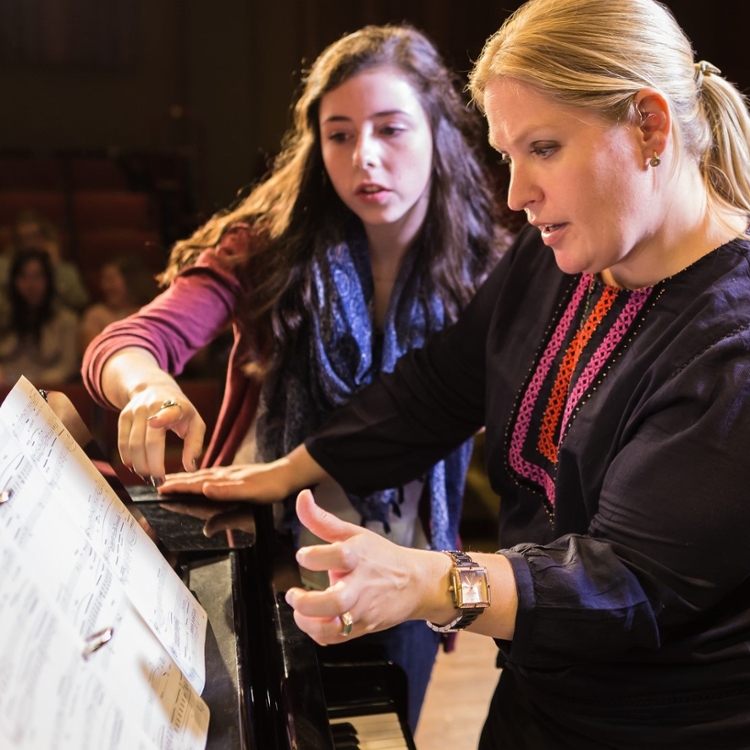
(266, 687)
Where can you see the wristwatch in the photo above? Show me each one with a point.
(470, 590)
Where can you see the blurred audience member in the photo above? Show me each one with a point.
(38, 334)
(34, 231)
(125, 285)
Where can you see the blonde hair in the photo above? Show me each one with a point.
(597, 54)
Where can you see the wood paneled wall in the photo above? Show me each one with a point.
(237, 63)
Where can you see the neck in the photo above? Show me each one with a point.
(691, 230)
(388, 244)
(387, 248)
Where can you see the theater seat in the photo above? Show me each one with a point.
(96, 173)
(48, 203)
(31, 173)
(112, 209)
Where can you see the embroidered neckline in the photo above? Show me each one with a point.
(541, 423)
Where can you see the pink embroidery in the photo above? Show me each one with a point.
(520, 429)
(604, 350)
(518, 463)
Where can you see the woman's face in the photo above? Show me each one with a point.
(377, 148)
(113, 287)
(30, 234)
(31, 283)
(583, 182)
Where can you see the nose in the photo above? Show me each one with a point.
(365, 151)
(523, 189)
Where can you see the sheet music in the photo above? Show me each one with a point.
(129, 695)
(55, 487)
(75, 562)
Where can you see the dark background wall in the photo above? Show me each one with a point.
(217, 78)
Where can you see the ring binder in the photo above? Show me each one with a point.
(96, 640)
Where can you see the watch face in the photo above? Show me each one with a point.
(473, 588)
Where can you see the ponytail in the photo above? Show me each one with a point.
(725, 163)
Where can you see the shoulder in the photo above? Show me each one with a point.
(229, 255)
(701, 316)
(714, 292)
(98, 313)
(65, 316)
(526, 273)
(236, 243)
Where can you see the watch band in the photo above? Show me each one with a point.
(466, 615)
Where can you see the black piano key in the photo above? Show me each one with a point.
(344, 736)
(344, 729)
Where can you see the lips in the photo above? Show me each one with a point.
(369, 188)
(548, 228)
(551, 233)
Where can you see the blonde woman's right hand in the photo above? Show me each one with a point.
(142, 431)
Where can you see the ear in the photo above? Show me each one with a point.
(653, 121)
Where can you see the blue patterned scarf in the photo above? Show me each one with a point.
(339, 354)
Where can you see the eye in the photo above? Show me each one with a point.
(544, 150)
(391, 130)
(337, 137)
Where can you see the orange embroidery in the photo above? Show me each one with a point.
(556, 403)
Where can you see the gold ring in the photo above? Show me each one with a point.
(347, 623)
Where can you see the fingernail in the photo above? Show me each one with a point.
(195, 463)
(157, 481)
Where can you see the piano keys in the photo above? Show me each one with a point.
(369, 732)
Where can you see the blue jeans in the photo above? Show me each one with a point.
(411, 645)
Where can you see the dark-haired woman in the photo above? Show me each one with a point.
(373, 230)
(38, 335)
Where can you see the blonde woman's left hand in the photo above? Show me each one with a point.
(374, 583)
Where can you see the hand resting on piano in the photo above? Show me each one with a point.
(259, 483)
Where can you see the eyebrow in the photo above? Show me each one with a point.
(523, 137)
(384, 113)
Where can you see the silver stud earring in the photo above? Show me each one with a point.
(654, 161)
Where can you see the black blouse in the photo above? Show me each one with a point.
(618, 437)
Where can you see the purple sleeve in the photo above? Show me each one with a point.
(197, 306)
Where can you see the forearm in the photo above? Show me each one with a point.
(129, 371)
(299, 470)
(404, 423)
